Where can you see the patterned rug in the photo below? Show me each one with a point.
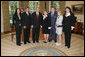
(9, 48)
(42, 51)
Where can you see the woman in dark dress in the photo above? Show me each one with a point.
(68, 25)
(46, 25)
(17, 25)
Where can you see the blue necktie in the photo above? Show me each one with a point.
(52, 14)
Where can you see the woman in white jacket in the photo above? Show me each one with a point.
(59, 27)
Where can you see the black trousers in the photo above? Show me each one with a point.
(26, 34)
(35, 34)
(18, 35)
(68, 38)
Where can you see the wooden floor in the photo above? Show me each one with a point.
(9, 48)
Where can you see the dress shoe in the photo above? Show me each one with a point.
(19, 45)
(55, 41)
(33, 42)
(68, 47)
(50, 40)
(44, 41)
(58, 44)
(25, 43)
(37, 41)
(65, 45)
(28, 41)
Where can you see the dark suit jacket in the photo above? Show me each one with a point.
(47, 22)
(53, 19)
(26, 19)
(16, 21)
(36, 23)
(68, 22)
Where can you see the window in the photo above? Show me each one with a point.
(33, 5)
(55, 4)
(12, 7)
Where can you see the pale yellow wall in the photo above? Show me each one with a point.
(5, 16)
(70, 3)
(62, 6)
(25, 4)
(42, 6)
(1, 19)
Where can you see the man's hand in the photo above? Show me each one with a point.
(24, 27)
(31, 26)
(41, 26)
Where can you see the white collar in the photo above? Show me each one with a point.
(44, 16)
(27, 13)
(37, 12)
(67, 14)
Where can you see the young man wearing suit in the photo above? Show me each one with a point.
(26, 22)
(36, 24)
(53, 16)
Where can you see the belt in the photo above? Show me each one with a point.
(59, 26)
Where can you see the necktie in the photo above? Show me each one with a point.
(52, 14)
(37, 16)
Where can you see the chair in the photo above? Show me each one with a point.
(12, 32)
(78, 28)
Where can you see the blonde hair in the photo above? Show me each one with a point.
(45, 11)
(59, 11)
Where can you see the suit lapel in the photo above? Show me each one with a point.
(26, 14)
(38, 16)
(35, 16)
(50, 14)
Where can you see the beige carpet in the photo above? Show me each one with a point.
(9, 48)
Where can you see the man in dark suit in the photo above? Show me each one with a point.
(26, 22)
(36, 23)
(53, 16)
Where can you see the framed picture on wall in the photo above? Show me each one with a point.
(78, 9)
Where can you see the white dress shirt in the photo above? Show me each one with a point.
(27, 13)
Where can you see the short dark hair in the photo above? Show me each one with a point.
(52, 7)
(27, 7)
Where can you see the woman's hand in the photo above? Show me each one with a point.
(56, 26)
(72, 27)
(49, 27)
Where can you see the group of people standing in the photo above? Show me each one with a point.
(51, 23)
